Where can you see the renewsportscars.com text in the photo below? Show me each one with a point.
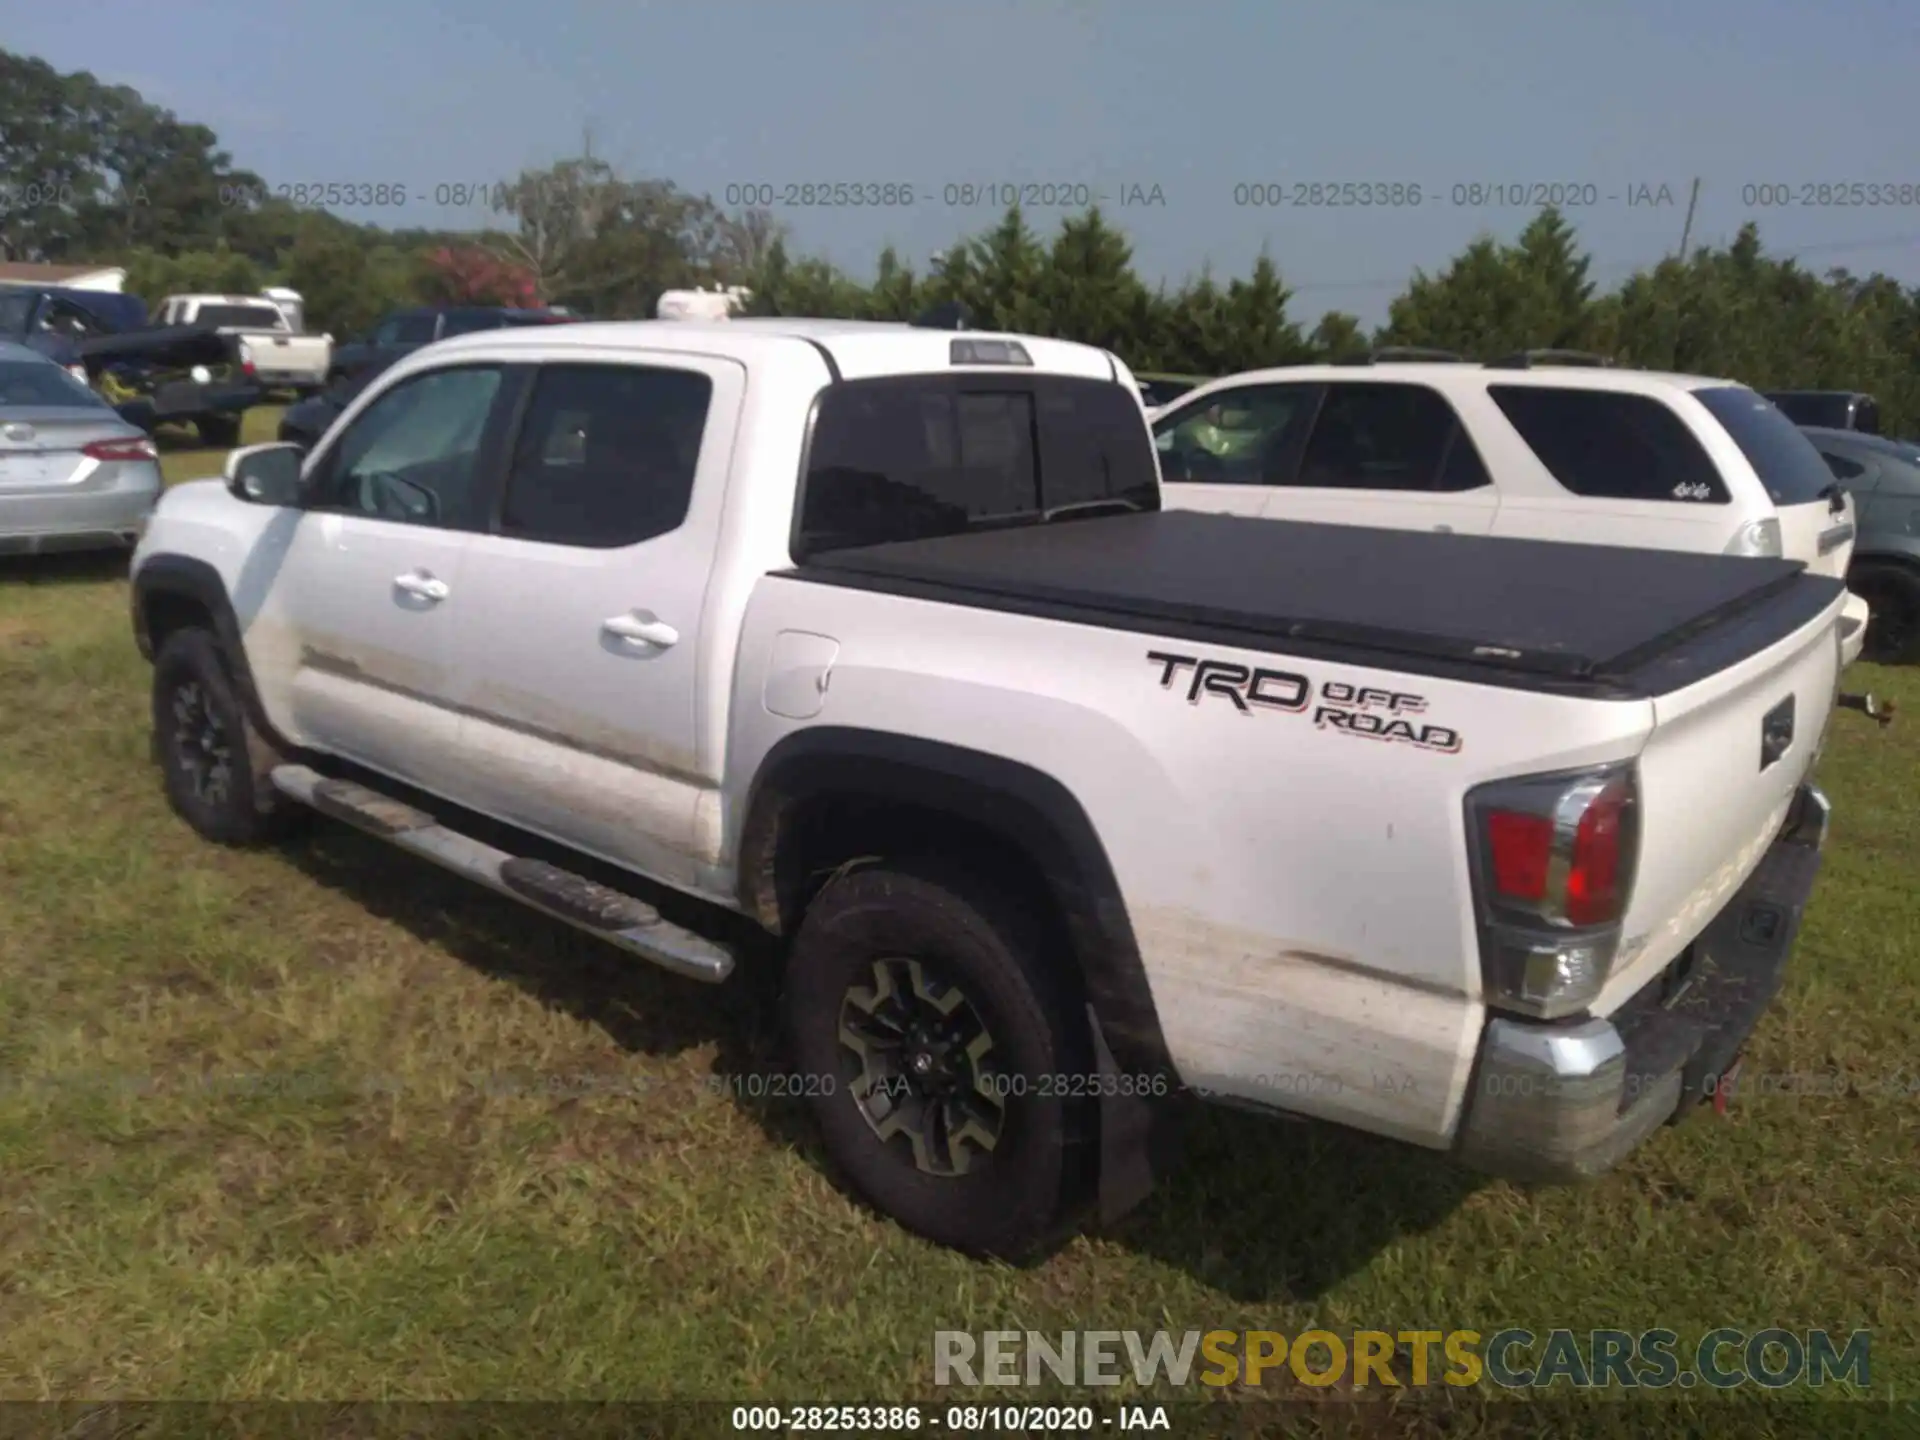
(1390, 1359)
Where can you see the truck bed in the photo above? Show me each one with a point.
(1530, 613)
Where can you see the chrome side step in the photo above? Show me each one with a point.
(623, 921)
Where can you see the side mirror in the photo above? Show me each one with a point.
(265, 474)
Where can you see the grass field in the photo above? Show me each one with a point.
(321, 1122)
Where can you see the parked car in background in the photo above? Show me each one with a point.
(404, 331)
(271, 351)
(1883, 476)
(152, 375)
(1829, 409)
(1543, 445)
(304, 423)
(73, 474)
(1161, 390)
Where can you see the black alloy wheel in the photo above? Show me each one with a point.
(918, 1065)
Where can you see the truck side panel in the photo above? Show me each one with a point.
(1288, 837)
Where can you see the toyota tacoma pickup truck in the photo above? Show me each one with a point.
(1061, 807)
(272, 353)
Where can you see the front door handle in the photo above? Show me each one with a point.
(1443, 529)
(422, 586)
(648, 631)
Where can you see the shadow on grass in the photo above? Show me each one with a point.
(1260, 1209)
(1279, 1209)
(65, 567)
(643, 1009)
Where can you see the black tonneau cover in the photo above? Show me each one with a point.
(1577, 613)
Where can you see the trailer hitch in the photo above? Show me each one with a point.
(1876, 710)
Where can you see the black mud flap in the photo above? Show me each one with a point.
(1139, 1137)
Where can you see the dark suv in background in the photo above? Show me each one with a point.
(1829, 409)
(404, 331)
(1883, 476)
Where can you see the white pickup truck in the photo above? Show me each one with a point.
(877, 635)
(272, 353)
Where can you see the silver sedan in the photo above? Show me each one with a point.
(73, 474)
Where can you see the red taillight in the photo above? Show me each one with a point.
(1593, 879)
(136, 449)
(1559, 849)
(1555, 858)
(1521, 848)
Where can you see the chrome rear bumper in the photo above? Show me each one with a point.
(1561, 1102)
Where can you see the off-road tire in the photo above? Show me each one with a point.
(197, 716)
(218, 432)
(1892, 593)
(1033, 1185)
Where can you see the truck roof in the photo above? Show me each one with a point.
(855, 349)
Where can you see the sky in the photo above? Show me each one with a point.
(1168, 113)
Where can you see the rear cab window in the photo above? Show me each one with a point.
(1611, 445)
(239, 317)
(916, 457)
(410, 330)
(470, 322)
(1784, 459)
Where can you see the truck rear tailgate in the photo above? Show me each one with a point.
(1717, 776)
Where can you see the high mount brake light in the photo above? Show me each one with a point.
(988, 352)
(1554, 867)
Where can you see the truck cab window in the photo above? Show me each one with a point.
(414, 455)
(606, 455)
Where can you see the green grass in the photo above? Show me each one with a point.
(378, 1218)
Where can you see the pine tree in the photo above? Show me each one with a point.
(1091, 293)
(1259, 334)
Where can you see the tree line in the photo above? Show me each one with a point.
(93, 173)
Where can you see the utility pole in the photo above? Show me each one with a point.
(1686, 231)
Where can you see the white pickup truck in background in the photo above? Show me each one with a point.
(272, 352)
(1061, 806)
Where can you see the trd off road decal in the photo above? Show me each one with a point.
(1377, 714)
(1351, 709)
(1270, 689)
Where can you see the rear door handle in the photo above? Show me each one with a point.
(422, 586)
(648, 632)
(1443, 529)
